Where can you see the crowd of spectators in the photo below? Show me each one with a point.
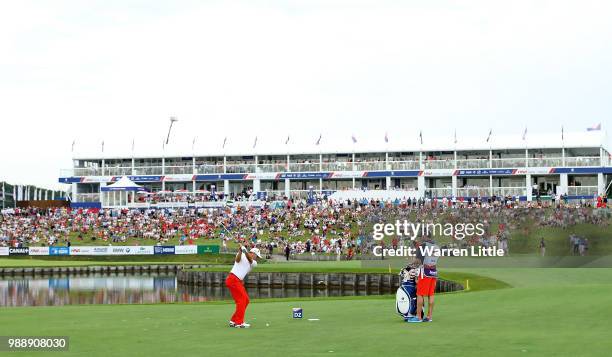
(295, 226)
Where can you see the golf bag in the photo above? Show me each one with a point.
(405, 299)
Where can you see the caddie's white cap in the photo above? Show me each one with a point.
(256, 252)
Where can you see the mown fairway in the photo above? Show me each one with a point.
(561, 312)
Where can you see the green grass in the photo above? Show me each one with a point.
(547, 312)
(526, 316)
(557, 239)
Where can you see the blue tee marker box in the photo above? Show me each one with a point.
(297, 312)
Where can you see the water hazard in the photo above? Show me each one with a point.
(134, 288)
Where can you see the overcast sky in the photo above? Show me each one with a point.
(116, 70)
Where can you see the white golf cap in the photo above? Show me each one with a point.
(256, 252)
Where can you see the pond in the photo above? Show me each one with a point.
(134, 288)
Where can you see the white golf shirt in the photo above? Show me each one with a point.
(242, 268)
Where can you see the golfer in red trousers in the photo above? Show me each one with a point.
(244, 262)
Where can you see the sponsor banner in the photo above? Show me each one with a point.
(347, 174)
(4, 251)
(142, 178)
(39, 251)
(99, 250)
(86, 250)
(59, 250)
(186, 249)
(163, 249)
(409, 173)
(534, 171)
(70, 179)
(481, 172)
(130, 250)
(304, 175)
(437, 172)
(262, 176)
(217, 177)
(181, 177)
(581, 170)
(203, 249)
(19, 251)
(97, 179)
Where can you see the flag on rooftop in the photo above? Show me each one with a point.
(595, 127)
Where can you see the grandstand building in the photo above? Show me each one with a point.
(578, 166)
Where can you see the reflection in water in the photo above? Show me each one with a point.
(139, 288)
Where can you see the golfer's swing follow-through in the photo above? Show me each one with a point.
(245, 261)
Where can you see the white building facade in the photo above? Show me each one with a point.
(579, 168)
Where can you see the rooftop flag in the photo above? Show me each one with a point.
(421, 136)
(595, 127)
(354, 139)
(255, 143)
(224, 142)
(489, 136)
(287, 141)
(525, 134)
(319, 139)
(386, 137)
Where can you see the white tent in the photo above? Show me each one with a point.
(123, 184)
(117, 193)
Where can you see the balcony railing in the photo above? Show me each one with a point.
(439, 164)
(473, 192)
(545, 162)
(338, 166)
(117, 171)
(87, 171)
(473, 164)
(304, 167)
(178, 170)
(278, 167)
(209, 169)
(240, 168)
(508, 163)
(440, 192)
(86, 197)
(148, 170)
(509, 191)
(582, 190)
(403, 165)
(370, 166)
(275, 193)
(583, 161)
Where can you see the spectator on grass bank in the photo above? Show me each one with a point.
(542, 247)
(319, 228)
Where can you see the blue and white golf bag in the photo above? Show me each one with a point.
(406, 298)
